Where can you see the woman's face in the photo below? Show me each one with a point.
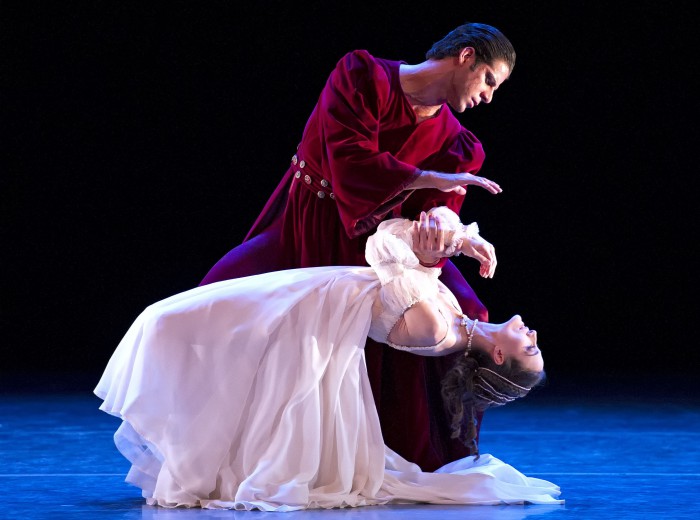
(515, 340)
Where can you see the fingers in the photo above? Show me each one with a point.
(492, 271)
(488, 269)
(484, 270)
(485, 253)
(488, 265)
(459, 190)
(440, 232)
(493, 187)
(415, 233)
(431, 234)
(483, 182)
(423, 231)
(488, 185)
(456, 182)
(437, 237)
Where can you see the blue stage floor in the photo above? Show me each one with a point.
(615, 456)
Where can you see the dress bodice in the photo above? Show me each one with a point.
(404, 281)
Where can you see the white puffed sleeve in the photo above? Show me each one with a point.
(461, 232)
(390, 249)
(404, 281)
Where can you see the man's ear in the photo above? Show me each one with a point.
(466, 54)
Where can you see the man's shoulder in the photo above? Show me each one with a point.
(360, 57)
(361, 64)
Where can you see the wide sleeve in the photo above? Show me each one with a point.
(367, 182)
(463, 154)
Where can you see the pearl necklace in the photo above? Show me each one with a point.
(470, 334)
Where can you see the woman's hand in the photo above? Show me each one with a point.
(482, 251)
(430, 235)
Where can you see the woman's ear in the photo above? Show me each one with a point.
(498, 356)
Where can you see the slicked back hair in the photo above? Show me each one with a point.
(489, 44)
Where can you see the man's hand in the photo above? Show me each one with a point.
(482, 251)
(453, 182)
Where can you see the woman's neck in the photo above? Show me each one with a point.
(482, 333)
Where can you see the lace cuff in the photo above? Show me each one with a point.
(390, 249)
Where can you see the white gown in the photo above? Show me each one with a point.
(253, 394)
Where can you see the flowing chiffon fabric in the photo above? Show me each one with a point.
(360, 148)
(253, 394)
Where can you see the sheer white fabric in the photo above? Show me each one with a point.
(404, 281)
(253, 394)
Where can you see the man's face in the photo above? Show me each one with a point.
(475, 83)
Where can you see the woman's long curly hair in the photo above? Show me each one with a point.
(476, 383)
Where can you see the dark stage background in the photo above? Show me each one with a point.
(141, 140)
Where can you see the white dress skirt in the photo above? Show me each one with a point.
(253, 394)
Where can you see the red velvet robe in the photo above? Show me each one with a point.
(360, 148)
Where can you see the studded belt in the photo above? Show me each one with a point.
(310, 180)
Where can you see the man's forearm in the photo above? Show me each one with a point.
(425, 179)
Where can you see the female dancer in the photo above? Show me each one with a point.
(253, 393)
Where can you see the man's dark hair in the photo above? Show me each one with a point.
(489, 44)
